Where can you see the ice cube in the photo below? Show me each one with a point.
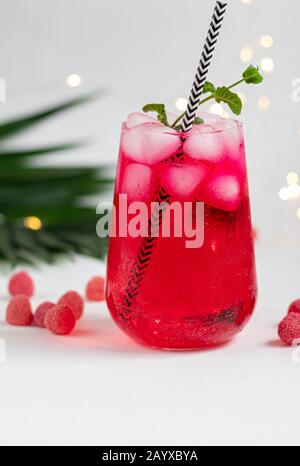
(136, 119)
(183, 179)
(132, 144)
(160, 143)
(233, 139)
(139, 183)
(150, 143)
(202, 129)
(206, 146)
(223, 191)
(209, 118)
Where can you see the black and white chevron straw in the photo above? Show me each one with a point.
(144, 256)
(205, 61)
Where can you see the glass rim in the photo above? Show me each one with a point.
(172, 132)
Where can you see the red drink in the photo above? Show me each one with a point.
(159, 291)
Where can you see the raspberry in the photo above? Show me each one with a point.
(95, 289)
(19, 311)
(295, 307)
(39, 316)
(21, 284)
(60, 320)
(289, 329)
(74, 301)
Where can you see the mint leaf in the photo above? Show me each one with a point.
(209, 87)
(160, 109)
(252, 75)
(223, 94)
(198, 121)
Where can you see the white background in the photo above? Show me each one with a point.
(97, 387)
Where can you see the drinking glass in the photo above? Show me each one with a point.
(160, 291)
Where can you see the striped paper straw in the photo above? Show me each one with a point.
(205, 61)
(143, 259)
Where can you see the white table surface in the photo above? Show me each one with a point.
(97, 387)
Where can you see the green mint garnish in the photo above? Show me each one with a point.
(160, 109)
(209, 87)
(223, 94)
(198, 121)
(220, 94)
(252, 75)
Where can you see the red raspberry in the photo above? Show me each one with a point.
(95, 290)
(295, 307)
(289, 329)
(60, 320)
(74, 301)
(19, 311)
(39, 316)
(21, 284)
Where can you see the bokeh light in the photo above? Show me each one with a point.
(73, 80)
(266, 41)
(292, 178)
(264, 103)
(247, 53)
(181, 104)
(33, 223)
(267, 65)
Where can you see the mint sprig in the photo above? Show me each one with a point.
(222, 94)
(209, 87)
(252, 75)
(160, 109)
(198, 121)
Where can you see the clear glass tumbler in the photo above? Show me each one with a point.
(159, 291)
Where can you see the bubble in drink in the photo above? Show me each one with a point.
(139, 183)
(182, 180)
(207, 146)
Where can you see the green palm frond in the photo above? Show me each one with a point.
(10, 128)
(55, 196)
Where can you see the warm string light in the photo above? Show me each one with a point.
(181, 104)
(292, 191)
(264, 103)
(247, 54)
(292, 178)
(33, 223)
(267, 65)
(73, 80)
(266, 41)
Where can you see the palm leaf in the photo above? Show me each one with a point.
(9, 159)
(56, 195)
(16, 126)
